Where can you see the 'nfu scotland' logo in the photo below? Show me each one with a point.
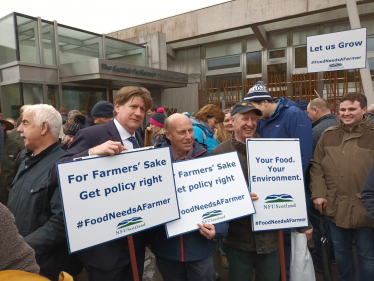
(278, 198)
(334, 65)
(129, 222)
(212, 214)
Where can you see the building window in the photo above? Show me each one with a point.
(12, 100)
(53, 96)
(225, 82)
(82, 98)
(49, 46)
(32, 93)
(222, 63)
(370, 44)
(371, 66)
(277, 69)
(300, 57)
(28, 39)
(254, 63)
(76, 45)
(8, 47)
(124, 52)
(277, 54)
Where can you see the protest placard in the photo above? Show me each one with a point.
(106, 198)
(276, 176)
(336, 51)
(210, 190)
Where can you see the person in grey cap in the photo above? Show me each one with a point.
(102, 112)
(247, 250)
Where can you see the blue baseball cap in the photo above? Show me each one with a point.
(244, 106)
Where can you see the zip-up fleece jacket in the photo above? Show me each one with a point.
(340, 165)
(191, 246)
(288, 121)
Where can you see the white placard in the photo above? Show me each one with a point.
(337, 51)
(276, 176)
(210, 190)
(106, 198)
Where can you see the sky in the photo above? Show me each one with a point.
(103, 16)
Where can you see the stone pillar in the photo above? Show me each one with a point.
(156, 49)
(354, 19)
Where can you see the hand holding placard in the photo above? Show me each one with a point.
(106, 198)
(108, 148)
(213, 191)
(276, 175)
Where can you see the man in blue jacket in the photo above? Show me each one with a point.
(188, 257)
(282, 119)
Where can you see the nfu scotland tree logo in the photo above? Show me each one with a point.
(335, 65)
(212, 216)
(130, 224)
(278, 198)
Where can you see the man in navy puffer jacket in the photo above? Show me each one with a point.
(282, 119)
(188, 256)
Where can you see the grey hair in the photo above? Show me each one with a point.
(73, 113)
(46, 113)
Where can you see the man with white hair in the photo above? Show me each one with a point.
(35, 204)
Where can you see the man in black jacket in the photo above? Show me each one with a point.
(111, 261)
(322, 118)
(35, 204)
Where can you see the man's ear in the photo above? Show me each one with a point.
(44, 128)
(365, 109)
(167, 134)
(116, 107)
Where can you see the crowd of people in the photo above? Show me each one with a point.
(337, 152)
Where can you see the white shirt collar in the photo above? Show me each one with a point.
(122, 132)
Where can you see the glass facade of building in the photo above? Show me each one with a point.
(37, 42)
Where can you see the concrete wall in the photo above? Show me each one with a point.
(184, 99)
(228, 16)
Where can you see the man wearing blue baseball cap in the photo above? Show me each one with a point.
(283, 119)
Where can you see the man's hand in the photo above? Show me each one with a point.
(254, 196)
(320, 204)
(108, 148)
(308, 233)
(207, 230)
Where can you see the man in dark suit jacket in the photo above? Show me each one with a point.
(111, 261)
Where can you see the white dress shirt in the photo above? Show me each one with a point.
(124, 135)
